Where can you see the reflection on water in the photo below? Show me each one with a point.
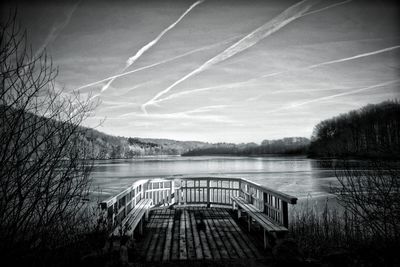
(297, 176)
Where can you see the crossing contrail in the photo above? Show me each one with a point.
(327, 7)
(142, 50)
(245, 43)
(334, 96)
(189, 53)
(223, 86)
(237, 84)
(355, 57)
(159, 63)
(156, 99)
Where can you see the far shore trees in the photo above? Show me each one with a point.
(44, 171)
(372, 131)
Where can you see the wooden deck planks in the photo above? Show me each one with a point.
(168, 237)
(229, 231)
(159, 250)
(175, 236)
(157, 228)
(182, 237)
(220, 229)
(223, 253)
(191, 250)
(209, 234)
(196, 233)
(203, 239)
(149, 226)
(196, 237)
(244, 243)
(246, 239)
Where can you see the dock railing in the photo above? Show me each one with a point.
(209, 191)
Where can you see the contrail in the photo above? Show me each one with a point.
(327, 7)
(189, 114)
(355, 57)
(294, 91)
(158, 63)
(334, 96)
(155, 100)
(189, 53)
(232, 85)
(131, 60)
(56, 29)
(245, 43)
(223, 86)
(142, 50)
(309, 90)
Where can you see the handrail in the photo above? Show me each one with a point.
(198, 190)
(288, 198)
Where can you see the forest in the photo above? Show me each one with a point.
(370, 132)
(104, 146)
(287, 146)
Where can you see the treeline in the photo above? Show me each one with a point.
(290, 145)
(104, 146)
(372, 131)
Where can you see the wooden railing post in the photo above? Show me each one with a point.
(144, 185)
(208, 193)
(173, 192)
(285, 214)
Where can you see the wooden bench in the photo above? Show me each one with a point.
(277, 230)
(135, 218)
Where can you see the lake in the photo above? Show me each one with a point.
(295, 175)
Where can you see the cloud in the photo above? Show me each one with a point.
(287, 16)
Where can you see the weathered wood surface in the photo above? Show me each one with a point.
(196, 233)
(133, 218)
(268, 224)
(259, 216)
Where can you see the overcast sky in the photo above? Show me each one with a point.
(235, 71)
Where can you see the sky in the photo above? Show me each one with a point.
(219, 71)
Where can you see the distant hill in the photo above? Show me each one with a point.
(289, 145)
(104, 146)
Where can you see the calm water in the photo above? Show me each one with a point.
(297, 176)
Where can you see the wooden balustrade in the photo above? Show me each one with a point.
(198, 191)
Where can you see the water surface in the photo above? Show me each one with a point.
(298, 176)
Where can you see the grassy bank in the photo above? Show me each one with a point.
(337, 238)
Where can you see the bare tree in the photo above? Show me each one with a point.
(44, 171)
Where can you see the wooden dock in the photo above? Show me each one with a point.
(191, 221)
(196, 233)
